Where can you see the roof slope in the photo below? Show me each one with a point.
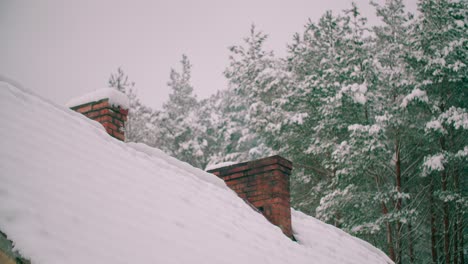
(70, 193)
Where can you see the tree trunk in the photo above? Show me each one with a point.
(410, 242)
(446, 224)
(391, 249)
(461, 238)
(455, 242)
(399, 202)
(458, 234)
(446, 210)
(455, 222)
(433, 223)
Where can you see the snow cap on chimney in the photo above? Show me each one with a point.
(107, 106)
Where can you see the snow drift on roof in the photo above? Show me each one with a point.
(70, 193)
(115, 98)
(311, 232)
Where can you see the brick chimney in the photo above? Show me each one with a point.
(264, 183)
(107, 106)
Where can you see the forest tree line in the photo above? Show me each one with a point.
(374, 119)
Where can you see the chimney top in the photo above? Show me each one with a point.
(276, 159)
(115, 98)
(264, 183)
(107, 106)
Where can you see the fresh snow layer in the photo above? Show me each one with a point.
(115, 98)
(433, 163)
(219, 165)
(357, 92)
(415, 94)
(70, 193)
(321, 237)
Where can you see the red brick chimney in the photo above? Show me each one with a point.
(107, 106)
(264, 183)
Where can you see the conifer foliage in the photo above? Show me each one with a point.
(374, 118)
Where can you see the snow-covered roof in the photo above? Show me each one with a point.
(115, 97)
(70, 193)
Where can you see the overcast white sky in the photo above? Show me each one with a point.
(63, 49)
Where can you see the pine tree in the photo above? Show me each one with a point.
(139, 116)
(241, 102)
(393, 128)
(180, 128)
(441, 40)
(374, 120)
(120, 81)
(330, 82)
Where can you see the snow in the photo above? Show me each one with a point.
(357, 92)
(311, 232)
(435, 125)
(458, 117)
(382, 119)
(342, 150)
(415, 94)
(372, 130)
(367, 227)
(156, 155)
(70, 193)
(299, 118)
(219, 165)
(433, 163)
(460, 23)
(462, 153)
(115, 97)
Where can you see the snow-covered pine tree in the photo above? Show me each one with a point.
(383, 151)
(345, 114)
(139, 116)
(241, 101)
(442, 39)
(119, 81)
(210, 124)
(181, 133)
(330, 71)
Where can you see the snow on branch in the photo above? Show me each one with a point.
(458, 117)
(416, 94)
(357, 92)
(366, 228)
(298, 118)
(462, 153)
(372, 130)
(433, 163)
(436, 126)
(454, 116)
